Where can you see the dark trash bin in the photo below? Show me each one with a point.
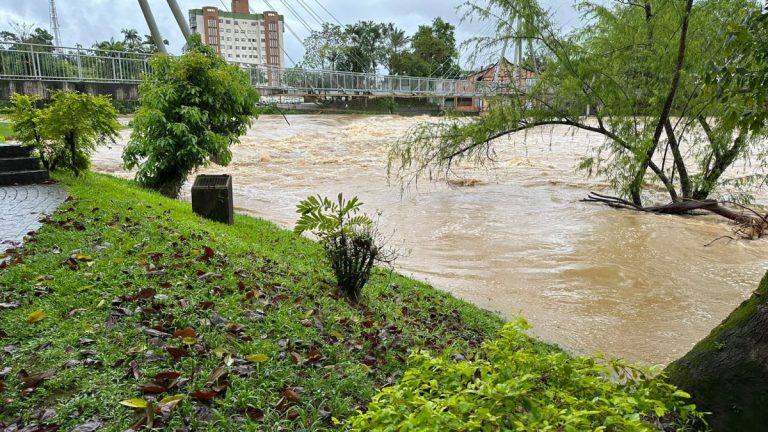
(212, 197)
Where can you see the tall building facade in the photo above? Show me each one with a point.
(240, 36)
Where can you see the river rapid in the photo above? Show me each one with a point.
(518, 240)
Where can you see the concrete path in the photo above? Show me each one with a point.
(21, 208)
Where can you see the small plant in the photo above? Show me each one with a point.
(350, 239)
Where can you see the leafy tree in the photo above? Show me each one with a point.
(192, 109)
(434, 51)
(723, 371)
(395, 46)
(132, 40)
(365, 46)
(22, 33)
(76, 123)
(132, 43)
(325, 48)
(639, 65)
(109, 45)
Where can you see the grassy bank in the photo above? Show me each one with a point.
(126, 295)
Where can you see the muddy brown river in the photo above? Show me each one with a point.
(587, 277)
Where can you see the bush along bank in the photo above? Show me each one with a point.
(516, 383)
(127, 310)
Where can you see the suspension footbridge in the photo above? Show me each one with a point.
(28, 62)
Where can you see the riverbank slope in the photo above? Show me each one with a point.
(127, 295)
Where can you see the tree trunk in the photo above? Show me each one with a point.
(727, 372)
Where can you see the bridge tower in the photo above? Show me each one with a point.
(54, 23)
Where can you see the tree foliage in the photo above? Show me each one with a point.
(132, 42)
(192, 109)
(22, 33)
(742, 80)
(641, 68)
(367, 45)
(66, 132)
(324, 48)
(433, 51)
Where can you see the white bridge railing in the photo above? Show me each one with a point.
(47, 63)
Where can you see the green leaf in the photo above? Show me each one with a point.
(134, 403)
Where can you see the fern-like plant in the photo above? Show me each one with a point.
(349, 239)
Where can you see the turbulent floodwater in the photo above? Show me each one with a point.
(590, 278)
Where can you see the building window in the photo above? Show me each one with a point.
(227, 21)
(221, 20)
(235, 22)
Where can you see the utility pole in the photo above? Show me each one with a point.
(54, 23)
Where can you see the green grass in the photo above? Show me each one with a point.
(5, 131)
(112, 244)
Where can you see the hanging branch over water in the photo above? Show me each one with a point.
(749, 223)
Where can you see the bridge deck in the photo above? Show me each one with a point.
(46, 63)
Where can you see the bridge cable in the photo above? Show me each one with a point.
(312, 13)
(296, 15)
(290, 29)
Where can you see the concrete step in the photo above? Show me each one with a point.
(13, 151)
(23, 177)
(19, 164)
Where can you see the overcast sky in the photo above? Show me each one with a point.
(88, 21)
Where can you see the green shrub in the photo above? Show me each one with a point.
(66, 132)
(192, 109)
(518, 384)
(349, 239)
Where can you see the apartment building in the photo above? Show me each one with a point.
(241, 36)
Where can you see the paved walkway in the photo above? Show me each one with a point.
(21, 208)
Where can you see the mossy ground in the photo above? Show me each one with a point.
(118, 270)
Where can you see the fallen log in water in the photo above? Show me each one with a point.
(749, 223)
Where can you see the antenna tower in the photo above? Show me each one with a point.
(54, 24)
